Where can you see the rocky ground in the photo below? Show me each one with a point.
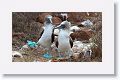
(28, 26)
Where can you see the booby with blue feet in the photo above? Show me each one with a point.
(47, 36)
(64, 43)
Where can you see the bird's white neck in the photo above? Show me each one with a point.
(65, 31)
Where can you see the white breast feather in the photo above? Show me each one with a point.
(45, 39)
(63, 40)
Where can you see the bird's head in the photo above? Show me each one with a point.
(48, 19)
(65, 25)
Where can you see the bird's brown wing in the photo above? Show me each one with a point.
(41, 34)
(52, 37)
(71, 42)
(56, 43)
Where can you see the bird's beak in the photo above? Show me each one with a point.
(50, 20)
(58, 27)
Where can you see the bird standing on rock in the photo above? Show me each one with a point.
(47, 36)
(64, 43)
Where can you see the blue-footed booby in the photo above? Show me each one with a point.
(64, 43)
(47, 36)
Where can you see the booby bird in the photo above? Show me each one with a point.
(64, 43)
(47, 36)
